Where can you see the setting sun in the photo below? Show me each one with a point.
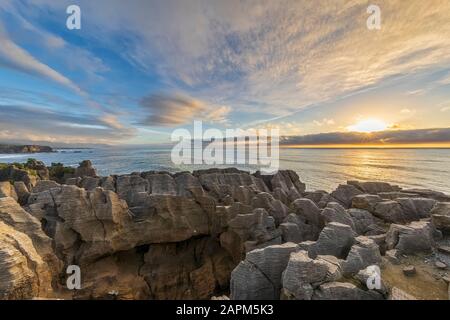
(368, 125)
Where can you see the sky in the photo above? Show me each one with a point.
(139, 69)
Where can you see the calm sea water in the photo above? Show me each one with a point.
(318, 168)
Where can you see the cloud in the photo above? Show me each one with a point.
(14, 57)
(177, 109)
(267, 59)
(445, 80)
(112, 121)
(59, 50)
(274, 57)
(323, 122)
(218, 114)
(417, 92)
(418, 136)
(444, 106)
(28, 123)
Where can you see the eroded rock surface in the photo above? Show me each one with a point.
(158, 235)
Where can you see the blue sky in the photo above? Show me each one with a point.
(137, 70)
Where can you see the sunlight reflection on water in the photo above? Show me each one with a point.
(318, 168)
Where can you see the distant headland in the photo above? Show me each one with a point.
(7, 148)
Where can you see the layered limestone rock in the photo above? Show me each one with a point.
(23, 272)
(416, 237)
(336, 239)
(246, 232)
(334, 212)
(364, 253)
(259, 276)
(159, 235)
(12, 214)
(307, 216)
(374, 187)
(344, 291)
(345, 194)
(303, 275)
(8, 190)
(85, 169)
(11, 173)
(440, 216)
(193, 269)
(400, 210)
(89, 224)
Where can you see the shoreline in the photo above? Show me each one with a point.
(324, 169)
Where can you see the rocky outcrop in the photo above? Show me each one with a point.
(8, 190)
(23, 272)
(307, 216)
(85, 169)
(7, 148)
(336, 239)
(13, 215)
(440, 216)
(11, 173)
(344, 291)
(246, 232)
(374, 187)
(259, 276)
(303, 275)
(413, 238)
(39, 167)
(364, 222)
(364, 253)
(400, 210)
(159, 219)
(334, 212)
(44, 185)
(193, 269)
(159, 235)
(345, 194)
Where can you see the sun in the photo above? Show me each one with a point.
(368, 125)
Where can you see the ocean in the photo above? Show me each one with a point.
(320, 169)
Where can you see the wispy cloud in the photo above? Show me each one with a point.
(323, 122)
(177, 109)
(273, 57)
(407, 111)
(59, 126)
(14, 57)
(235, 62)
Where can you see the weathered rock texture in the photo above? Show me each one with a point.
(157, 235)
(145, 235)
(341, 238)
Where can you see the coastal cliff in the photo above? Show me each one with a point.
(217, 232)
(5, 148)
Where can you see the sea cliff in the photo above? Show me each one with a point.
(7, 148)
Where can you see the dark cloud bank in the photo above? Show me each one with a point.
(419, 136)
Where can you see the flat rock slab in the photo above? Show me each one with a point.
(409, 271)
(398, 294)
(444, 249)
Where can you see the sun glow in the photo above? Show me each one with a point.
(368, 125)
